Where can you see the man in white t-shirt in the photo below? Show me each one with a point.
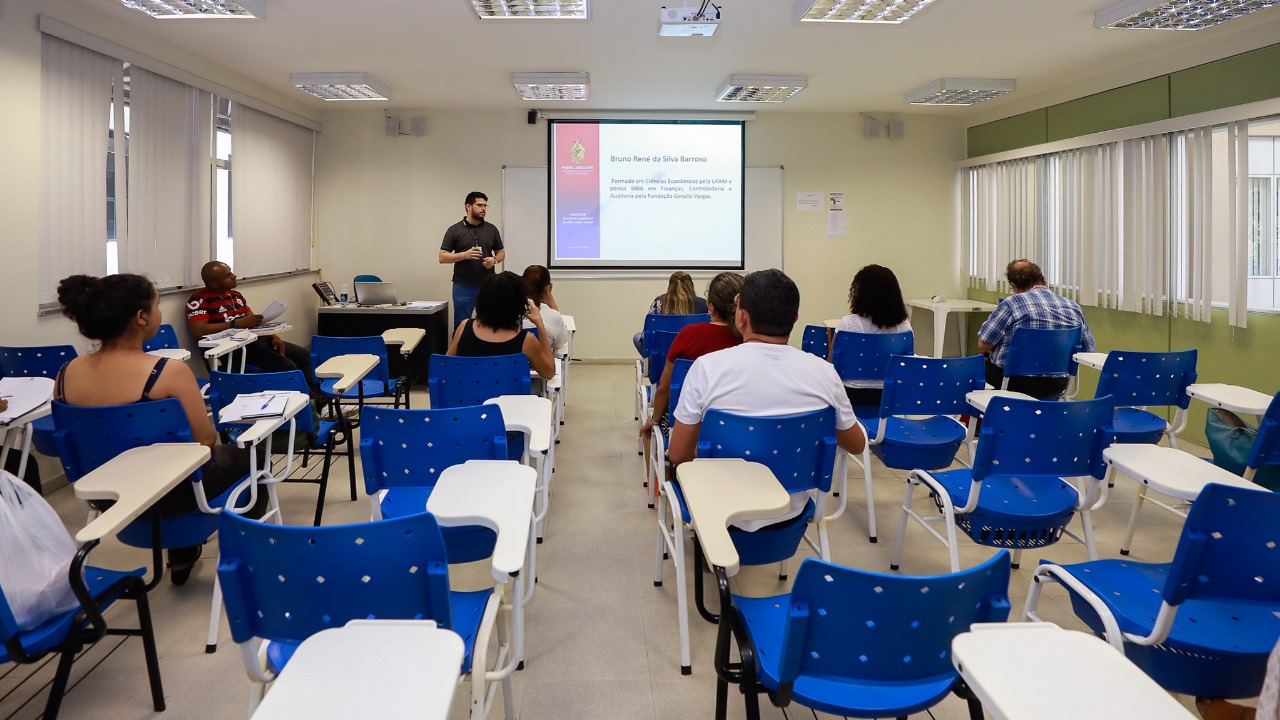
(763, 377)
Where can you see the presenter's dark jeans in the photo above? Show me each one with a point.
(1041, 387)
(464, 302)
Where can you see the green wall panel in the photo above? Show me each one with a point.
(1008, 134)
(1143, 102)
(1231, 81)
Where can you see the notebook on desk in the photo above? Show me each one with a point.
(375, 293)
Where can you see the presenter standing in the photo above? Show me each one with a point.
(473, 247)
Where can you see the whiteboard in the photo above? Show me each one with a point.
(524, 223)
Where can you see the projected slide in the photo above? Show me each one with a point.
(645, 194)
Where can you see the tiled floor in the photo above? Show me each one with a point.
(601, 639)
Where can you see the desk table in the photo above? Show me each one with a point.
(349, 369)
(330, 676)
(406, 338)
(22, 424)
(533, 416)
(179, 354)
(1231, 397)
(1005, 666)
(499, 495)
(356, 321)
(940, 311)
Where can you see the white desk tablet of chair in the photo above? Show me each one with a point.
(406, 338)
(497, 494)
(1170, 471)
(349, 369)
(1231, 397)
(178, 354)
(722, 491)
(222, 346)
(1093, 360)
(554, 382)
(415, 675)
(22, 421)
(528, 414)
(980, 399)
(262, 427)
(1004, 664)
(136, 479)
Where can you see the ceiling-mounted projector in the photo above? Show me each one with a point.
(689, 21)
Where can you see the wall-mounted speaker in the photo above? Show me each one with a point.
(872, 128)
(896, 130)
(391, 126)
(533, 117)
(417, 126)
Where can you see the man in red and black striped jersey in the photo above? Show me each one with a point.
(218, 306)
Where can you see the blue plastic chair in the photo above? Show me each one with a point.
(377, 384)
(856, 643)
(657, 468)
(814, 341)
(284, 584)
(1266, 446)
(88, 437)
(458, 381)
(800, 451)
(69, 632)
(403, 452)
(865, 356)
(656, 322)
(37, 361)
(913, 387)
(1203, 624)
(366, 278)
(1042, 352)
(657, 346)
(1016, 496)
(1138, 380)
(317, 434)
(166, 338)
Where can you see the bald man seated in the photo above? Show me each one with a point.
(219, 306)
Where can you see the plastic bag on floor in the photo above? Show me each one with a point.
(35, 555)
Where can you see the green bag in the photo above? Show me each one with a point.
(1230, 440)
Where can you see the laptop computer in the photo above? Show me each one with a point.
(375, 293)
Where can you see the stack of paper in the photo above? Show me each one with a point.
(423, 304)
(267, 327)
(253, 406)
(23, 394)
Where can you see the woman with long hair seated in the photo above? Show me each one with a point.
(537, 280)
(501, 306)
(694, 341)
(680, 299)
(875, 306)
(120, 312)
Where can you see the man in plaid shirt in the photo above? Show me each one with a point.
(1031, 305)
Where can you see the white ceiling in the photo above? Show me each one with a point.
(435, 54)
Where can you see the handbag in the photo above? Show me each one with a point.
(35, 555)
(1230, 440)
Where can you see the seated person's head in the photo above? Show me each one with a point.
(722, 295)
(538, 281)
(502, 302)
(875, 294)
(678, 300)
(109, 308)
(771, 303)
(1024, 275)
(217, 276)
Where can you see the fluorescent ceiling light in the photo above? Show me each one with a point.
(341, 86)
(531, 9)
(760, 88)
(171, 9)
(1174, 14)
(958, 91)
(552, 86)
(857, 11)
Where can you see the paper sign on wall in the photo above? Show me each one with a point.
(808, 202)
(837, 224)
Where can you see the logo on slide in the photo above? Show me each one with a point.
(578, 152)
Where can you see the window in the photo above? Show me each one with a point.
(224, 244)
(1264, 217)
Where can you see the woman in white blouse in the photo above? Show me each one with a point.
(538, 281)
(875, 306)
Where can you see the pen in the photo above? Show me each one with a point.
(265, 404)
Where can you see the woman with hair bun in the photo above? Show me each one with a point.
(120, 312)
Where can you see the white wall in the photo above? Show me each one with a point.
(21, 172)
(383, 204)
